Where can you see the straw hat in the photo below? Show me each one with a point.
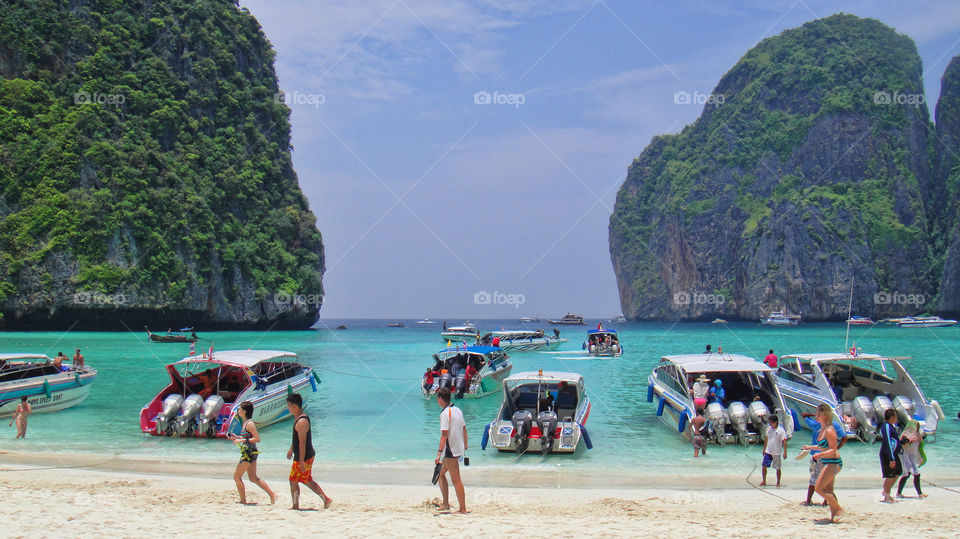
(703, 378)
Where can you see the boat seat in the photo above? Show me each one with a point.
(527, 401)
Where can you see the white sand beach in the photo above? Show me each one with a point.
(99, 501)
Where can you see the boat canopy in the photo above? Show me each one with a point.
(717, 363)
(241, 358)
(24, 357)
(819, 358)
(601, 331)
(482, 350)
(546, 376)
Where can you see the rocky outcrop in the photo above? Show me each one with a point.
(946, 173)
(145, 171)
(807, 170)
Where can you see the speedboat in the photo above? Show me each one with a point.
(859, 388)
(603, 343)
(568, 319)
(859, 321)
(890, 321)
(395, 324)
(467, 333)
(204, 392)
(751, 395)
(184, 335)
(522, 340)
(541, 411)
(618, 319)
(529, 319)
(48, 388)
(718, 321)
(925, 322)
(469, 371)
(780, 318)
(426, 321)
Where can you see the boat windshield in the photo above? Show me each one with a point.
(527, 395)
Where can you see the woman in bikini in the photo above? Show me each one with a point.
(247, 441)
(829, 456)
(20, 416)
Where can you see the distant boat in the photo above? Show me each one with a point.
(780, 318)
(891, 321)
(467, 333)
(718, 321)
(395, 325)
(860, 321)
(426, 321)
(180, 336)
(522, 340)
(618, 318)
(528, 319)
(925, 322)
(568, 319)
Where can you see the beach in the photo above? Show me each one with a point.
(134, 498)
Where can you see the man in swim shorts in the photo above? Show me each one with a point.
(890, 465)
(302, 453)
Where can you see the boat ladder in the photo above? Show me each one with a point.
(567, 429)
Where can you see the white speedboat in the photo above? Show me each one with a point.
(203, 394)
(751, 395)
(860, 321)
(529, 319)
(925, 322)
(522, 340)
(718, 321)
(426, 321)
(46, 387)
(603, 343)
(780, 318)
(568, 319)
(469, 371)
(859, 388)
(618, 319)
(467, 333)
(525, 423)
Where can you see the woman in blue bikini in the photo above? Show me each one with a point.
(829, 456)
(247, 441)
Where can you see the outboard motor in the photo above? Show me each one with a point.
(880, 406)
(758, 413)
(717, 419)
(446, 380)
(866, 418)
(171, 405)
(191, 407)
(739, 419)
(547, 423)
(522, 422)
(461, 383)
(905, 408)
(208, 415)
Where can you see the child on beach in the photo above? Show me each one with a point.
(20, 416)
(775, 446)
(912, 457)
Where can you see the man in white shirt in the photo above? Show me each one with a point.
(776, 444)
(453, 444)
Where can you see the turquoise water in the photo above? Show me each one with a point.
(369, 408)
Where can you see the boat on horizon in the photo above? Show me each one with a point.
(751, 396)
(523, 424)
(529, 319)
(488, 366)
(523, 340)
(718, 321)
(860, 321)
(602, 343)
(465, 333)
(780, 319)
(48, 388)
(618, 319)
(426, 321)
(568, 319)
(395, 324)
(859, 388)
(924, 322)
(204, 392)
(183, 335)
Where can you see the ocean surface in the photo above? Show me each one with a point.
(369, 409)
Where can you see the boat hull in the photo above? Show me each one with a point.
(63, 391)
(566, 437)
(488, 384)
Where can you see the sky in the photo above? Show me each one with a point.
(463, 157)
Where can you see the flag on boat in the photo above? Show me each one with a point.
(193, 349)
(210, 353)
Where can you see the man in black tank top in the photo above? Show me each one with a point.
(302, 453)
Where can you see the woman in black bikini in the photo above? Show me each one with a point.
(247, 441)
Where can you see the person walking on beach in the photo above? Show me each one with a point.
(247, 442)
(829, 458)
(815, 465)
(912, 457)
(20, 416)
(890, 464)
(302, 453)
(776, 444)
(453, 444)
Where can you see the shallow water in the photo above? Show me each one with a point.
(369, 409)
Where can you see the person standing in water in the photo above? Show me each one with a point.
(77, 359)
(302, 453)
(247, 442)
(829, 457)
(20, 416)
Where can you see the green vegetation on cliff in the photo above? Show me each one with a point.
(142, 150)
